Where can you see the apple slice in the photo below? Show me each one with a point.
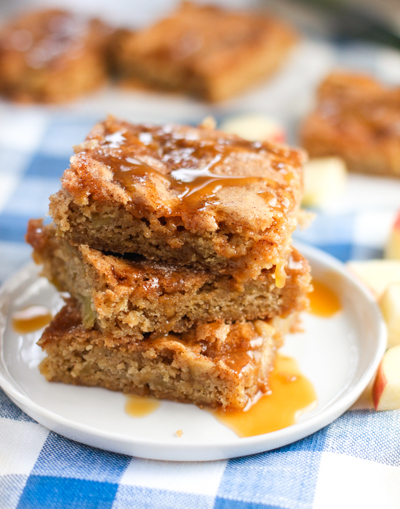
(376, 274)
(390, 307)
(325, 180)
(386, 388)
(255, 128)
(392, 249)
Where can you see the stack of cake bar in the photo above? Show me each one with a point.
(174, 244)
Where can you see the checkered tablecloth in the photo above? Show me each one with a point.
(354, 462)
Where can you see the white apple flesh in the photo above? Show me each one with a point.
(325, 181)
(376, 274)
(386, 388)
(255, 128)
(390, 307)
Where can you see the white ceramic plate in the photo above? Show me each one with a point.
(339, 355)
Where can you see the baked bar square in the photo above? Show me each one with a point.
(52, 55)
(183, 195)
(356, 118)
(212, 364)
(129, 297)
(205, 51)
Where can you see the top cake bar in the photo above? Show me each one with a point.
(183, 195)
(204, 50)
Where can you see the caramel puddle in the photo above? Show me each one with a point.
(291, 394)
(138, 406)
(30, 319)
(323, 301)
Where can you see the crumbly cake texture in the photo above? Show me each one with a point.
(52, 55)
(131, 297)
(184, 195)
(356, 118)
(205, 51)
(213, 364)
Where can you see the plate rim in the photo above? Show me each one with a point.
(181, 450)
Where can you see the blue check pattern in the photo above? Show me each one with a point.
(354, 462)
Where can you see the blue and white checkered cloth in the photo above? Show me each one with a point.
(354, 462)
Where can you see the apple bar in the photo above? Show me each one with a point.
(52, 55)
(187, 196)
(204, 50)
(214, 364)
(130, 296)
(357, 119)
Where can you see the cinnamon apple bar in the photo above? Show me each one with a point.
(52, 55)
(356, 118)
(184, 195)
(132, 297)
(205, 51)
(214, 364)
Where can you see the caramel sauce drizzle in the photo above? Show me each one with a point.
(139, 406)
(193, 185)
(290, 395)
(245, 357)
(323, 301)
(30, 319)
(280, 276)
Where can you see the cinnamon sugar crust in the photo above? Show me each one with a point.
(52, 55)
(212, 364)
(357, 119)
(184, 195)
(205, 51)
(132, 296)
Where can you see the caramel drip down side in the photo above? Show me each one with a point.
(290, 395)
(323, 301)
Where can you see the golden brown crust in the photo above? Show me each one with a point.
(131, 296)
(205, 50)
(192, 196)
(356, 118)
(52, 55)
(213, 364)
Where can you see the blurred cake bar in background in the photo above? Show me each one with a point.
(214, 364)
(52, 55)
(205, 51)
(184, 195)
(131, 296)
(356, 118)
